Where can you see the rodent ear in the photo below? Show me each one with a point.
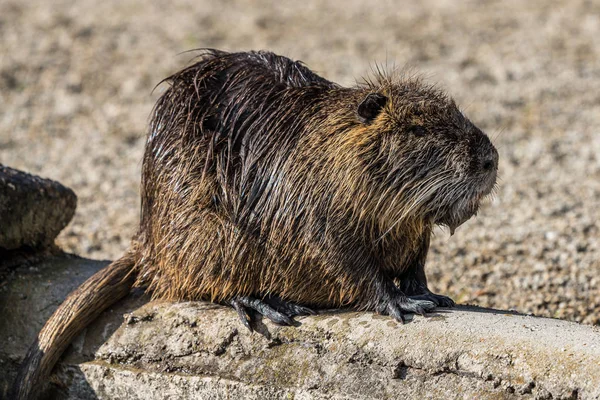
(370, 107)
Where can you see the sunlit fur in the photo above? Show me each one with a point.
(259, 179)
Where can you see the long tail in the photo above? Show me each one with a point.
(85, 304)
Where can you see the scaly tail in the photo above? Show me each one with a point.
(85, 304)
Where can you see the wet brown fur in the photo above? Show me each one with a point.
(319, 216)
(261, 178)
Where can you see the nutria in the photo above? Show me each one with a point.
(276, 191)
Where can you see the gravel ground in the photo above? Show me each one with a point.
(76, 82)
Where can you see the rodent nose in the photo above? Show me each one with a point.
(490, 161)
(488, 164)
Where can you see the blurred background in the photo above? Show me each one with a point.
(76, 81)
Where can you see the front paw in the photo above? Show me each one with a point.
(398, 305)
(438, 299)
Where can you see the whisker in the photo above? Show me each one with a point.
(419, 195)
(498, 133)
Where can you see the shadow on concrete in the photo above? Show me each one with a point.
(484, 310)
(29, 294)
(85, 346)
(441, 311)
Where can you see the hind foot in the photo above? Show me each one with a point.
(273, 307)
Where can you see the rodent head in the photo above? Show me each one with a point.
(425, 158)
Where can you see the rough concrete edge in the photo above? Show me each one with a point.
(89, 381)
(427, 353)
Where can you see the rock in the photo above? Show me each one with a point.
(33, 210)
(149, 350)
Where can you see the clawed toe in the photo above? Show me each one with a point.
(402, 305)
(273, 308)
(301, 310)
(417, 306)
(439, 300)
(244, 317)
(288, 308)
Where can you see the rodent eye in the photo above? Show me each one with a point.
(417, 130)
